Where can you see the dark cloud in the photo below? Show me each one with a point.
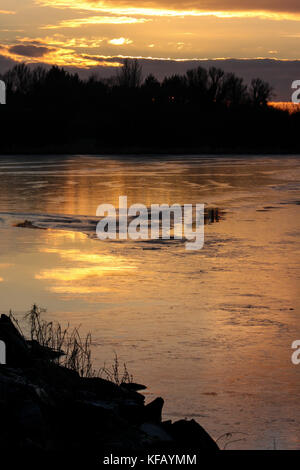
(292, 6)
(5, 63)
(30, 50)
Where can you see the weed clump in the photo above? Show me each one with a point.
(67, 348)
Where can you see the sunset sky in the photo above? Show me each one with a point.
(91, 33)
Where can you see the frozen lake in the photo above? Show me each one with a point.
(210, 331)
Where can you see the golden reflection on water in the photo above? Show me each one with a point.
(56, 237)
(79, 274)
(210, 331)
(79, 290)
(104, 261)
(3, 267)
(82, 191)
(82, 276)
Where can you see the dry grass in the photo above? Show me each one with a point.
(115, 374)
(74, 352)
(47, 334)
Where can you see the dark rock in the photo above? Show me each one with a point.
(153, 411)
(156, 432)
(94, 416)
(43, 352)
(131, 411)
(137, 413)
(31, 422)
(167, 423)
(29, 224)
(133, 386)
(17, 351)
(190, 435)
(106, 389)
(45, 407)
(54, 375)
(101, 387)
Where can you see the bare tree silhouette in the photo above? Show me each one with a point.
(130, 75)
(260, 92)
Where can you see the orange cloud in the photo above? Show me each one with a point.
(61, 40)
(276, 10)
(60, 56)
(120, 41)
(93, 20)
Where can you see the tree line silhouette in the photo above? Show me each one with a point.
(52, 110)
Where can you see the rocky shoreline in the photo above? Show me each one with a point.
(48, 408)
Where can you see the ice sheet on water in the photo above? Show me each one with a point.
(84, 224)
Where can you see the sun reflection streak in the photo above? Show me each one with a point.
(82, 290)
(75, 274)
(7, 12)
(55, 236)
(92, 258)
(82, 277)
